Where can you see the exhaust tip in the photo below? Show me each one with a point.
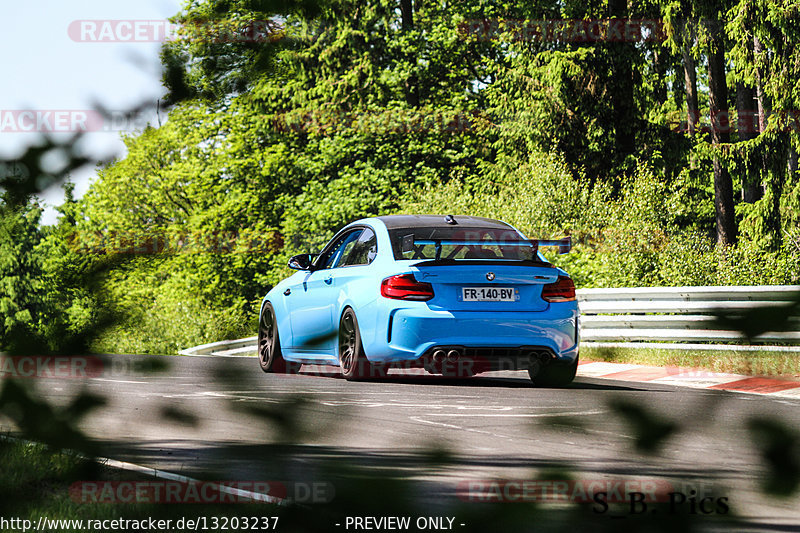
(439, 356)
(536, 360)
(453, 356)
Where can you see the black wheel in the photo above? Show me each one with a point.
(269, 344)
(351, 354)
(554, 375)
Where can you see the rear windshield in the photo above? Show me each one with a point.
(459, 242)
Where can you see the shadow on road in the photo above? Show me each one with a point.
(437, 481)
(482, 380)
(210, 459)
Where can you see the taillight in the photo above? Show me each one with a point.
(562, 290)
(405, 287)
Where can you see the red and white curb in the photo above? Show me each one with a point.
(691, 377)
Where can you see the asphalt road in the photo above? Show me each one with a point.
(223, 419)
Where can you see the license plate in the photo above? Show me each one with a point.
(488, 294)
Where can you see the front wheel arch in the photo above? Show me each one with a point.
(270, 356)
(350, 350)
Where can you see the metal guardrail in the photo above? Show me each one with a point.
(663, 317)
(677, 315)
(234, 348)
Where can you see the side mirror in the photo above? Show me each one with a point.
(301, 262)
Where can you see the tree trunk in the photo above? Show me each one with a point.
(622, 85)
(407, 24)
(747, 128)
(720, 133)
(763, 101)
(678, 88)
(660, 63)
(690, 85)
(407, 14)
(773, 175)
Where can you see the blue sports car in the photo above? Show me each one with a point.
(455, 295)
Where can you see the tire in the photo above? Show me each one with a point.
(269, 344)
(352, 360)
(555, 375)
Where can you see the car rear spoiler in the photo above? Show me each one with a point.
(409, 243)
(564, 245)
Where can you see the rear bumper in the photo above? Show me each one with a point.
(414, 331)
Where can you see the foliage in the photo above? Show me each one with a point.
(633, 238)
(356, 108)
(331, 111)
(20, 274)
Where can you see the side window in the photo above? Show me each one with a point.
(364, 250)
(333, 253)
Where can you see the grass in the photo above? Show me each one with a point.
(784, 364)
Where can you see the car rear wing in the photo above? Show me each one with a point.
(564, 245)
(409, 244)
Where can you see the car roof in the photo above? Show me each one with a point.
(428, 221)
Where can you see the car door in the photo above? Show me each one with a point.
(356, 284)
(313, 300)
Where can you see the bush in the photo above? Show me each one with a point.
(632, 237)
(158, 309)
(539, 197)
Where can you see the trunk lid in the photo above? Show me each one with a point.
(486, 282)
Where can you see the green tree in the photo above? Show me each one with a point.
(20, 277)
(765, 55)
